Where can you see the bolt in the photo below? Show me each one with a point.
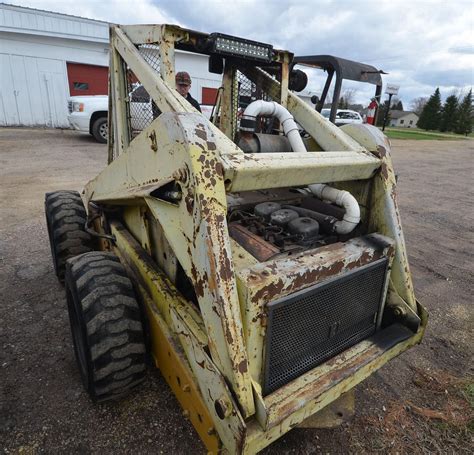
(399, 311)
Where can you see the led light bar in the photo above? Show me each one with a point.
(238, 47)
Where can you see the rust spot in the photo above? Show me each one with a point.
(243, 366)
(189, 200)
(201, 133)
(381, 152)
(211, 145)
(384, 170)
(219, 170)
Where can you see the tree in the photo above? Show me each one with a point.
(449, 114)
(398, 106)
(431, 114)
(342, 103)
(418, 104)
(464, 114)
(349, 97)
(383, 108)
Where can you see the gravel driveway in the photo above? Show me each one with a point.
(44, 409)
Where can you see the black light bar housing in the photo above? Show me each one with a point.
(228, 45)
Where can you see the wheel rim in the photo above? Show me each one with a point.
(103, 130)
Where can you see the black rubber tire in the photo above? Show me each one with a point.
(99, 130)
(66, 218)
(106, 325)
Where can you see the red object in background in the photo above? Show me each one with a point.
(87, 79)
(209, 95)
(372, 108)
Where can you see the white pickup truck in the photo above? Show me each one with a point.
(89, 113)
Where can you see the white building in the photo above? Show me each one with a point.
(404, 119)
(45, 57)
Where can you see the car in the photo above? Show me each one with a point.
(343, 116)
(89, 113)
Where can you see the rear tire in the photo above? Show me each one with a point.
(66, 218)
(100, 130)
(106, 325)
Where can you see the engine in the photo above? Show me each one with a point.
(290, 222)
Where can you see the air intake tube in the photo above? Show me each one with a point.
(272, 109)
(343, 199)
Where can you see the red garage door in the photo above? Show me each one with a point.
(87, 79)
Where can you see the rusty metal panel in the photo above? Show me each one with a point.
(385, 215)
(252, 243)
(309, 327)
(312, 392)
(264, 282)
(228, 422)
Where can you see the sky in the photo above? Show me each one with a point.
(422, 44)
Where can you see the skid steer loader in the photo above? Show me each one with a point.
(264, 270)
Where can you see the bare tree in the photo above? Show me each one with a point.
(418, 104)
(349, 96)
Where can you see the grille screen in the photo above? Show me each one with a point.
(313, 325)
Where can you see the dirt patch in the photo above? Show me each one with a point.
(419, 397)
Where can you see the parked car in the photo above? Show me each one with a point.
(89, 113)
(343, 116)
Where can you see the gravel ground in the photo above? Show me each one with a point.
(419, 403)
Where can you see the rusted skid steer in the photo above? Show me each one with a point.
(265, 270)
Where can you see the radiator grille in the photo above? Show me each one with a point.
(313, 325)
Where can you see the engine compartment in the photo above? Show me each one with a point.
(278, 222)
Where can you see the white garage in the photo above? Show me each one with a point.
(35, 47)
(45, 57)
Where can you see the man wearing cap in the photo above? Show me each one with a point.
(183, 84)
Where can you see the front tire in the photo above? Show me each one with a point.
(100, 130)
(66, 218)
(106, 325)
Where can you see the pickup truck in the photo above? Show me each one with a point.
(89, 113)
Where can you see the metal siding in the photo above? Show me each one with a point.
(56, 24)
(9, 112)
(21, 93)
(37, 93)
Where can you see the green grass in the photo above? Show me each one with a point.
(469, 394)
(416, 134)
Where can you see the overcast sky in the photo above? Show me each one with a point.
(421, 44)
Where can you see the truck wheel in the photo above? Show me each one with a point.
(100, 130)
(106, 325)
(66, 218)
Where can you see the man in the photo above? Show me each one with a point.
(183, 85)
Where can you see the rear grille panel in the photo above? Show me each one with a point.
(309, 327)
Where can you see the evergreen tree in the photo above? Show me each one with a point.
(449, 114)
(398, 106)
(381, 114)
(431, 115)
(464, 114)
(342, 103)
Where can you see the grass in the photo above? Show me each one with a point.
(417, 134)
